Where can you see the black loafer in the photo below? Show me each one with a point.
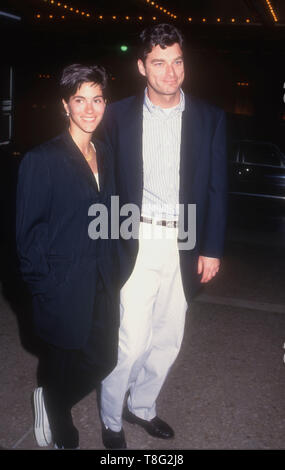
(113, 440)
(156, 427)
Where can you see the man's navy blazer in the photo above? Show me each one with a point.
(58, 259)
(203, 176)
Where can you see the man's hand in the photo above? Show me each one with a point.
(208, 267)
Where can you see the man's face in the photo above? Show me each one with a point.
(163, 69)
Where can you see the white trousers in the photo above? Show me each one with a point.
(152, 309)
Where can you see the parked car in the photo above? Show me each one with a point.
(257, 170)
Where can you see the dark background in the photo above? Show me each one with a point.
(237, 65)
(229, 388)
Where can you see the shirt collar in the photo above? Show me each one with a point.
(161, 112)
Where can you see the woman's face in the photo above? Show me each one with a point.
(85, 108)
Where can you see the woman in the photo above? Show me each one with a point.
(72, 278)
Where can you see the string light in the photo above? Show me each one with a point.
(219, 20)
(272, 10)
(126, 18)
(44, 75)
(67, 7)
(153, 3)
(161, 8)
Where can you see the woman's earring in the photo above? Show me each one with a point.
(67, 114)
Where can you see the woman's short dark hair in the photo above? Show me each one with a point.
(73, 76)
(163, 35)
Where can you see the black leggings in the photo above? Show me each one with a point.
(68, 375)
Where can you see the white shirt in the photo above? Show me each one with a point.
(161, 159)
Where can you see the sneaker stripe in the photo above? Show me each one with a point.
(41, 420)
(45, 423)
(41, 425)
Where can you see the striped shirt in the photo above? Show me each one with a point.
(161, 159)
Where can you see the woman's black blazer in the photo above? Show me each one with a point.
(58, 259)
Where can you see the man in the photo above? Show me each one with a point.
(170, 152)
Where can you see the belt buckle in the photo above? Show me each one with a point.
(169, 223)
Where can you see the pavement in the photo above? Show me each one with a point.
(226, 389)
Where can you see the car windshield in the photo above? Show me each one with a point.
(262, 154)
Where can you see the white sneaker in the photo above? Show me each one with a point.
(41, 425)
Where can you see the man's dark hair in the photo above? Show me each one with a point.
(73, 76)
(163, 35)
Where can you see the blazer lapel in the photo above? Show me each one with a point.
(102, 164)
(76, 156)
(132, 152)
(190, 146)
